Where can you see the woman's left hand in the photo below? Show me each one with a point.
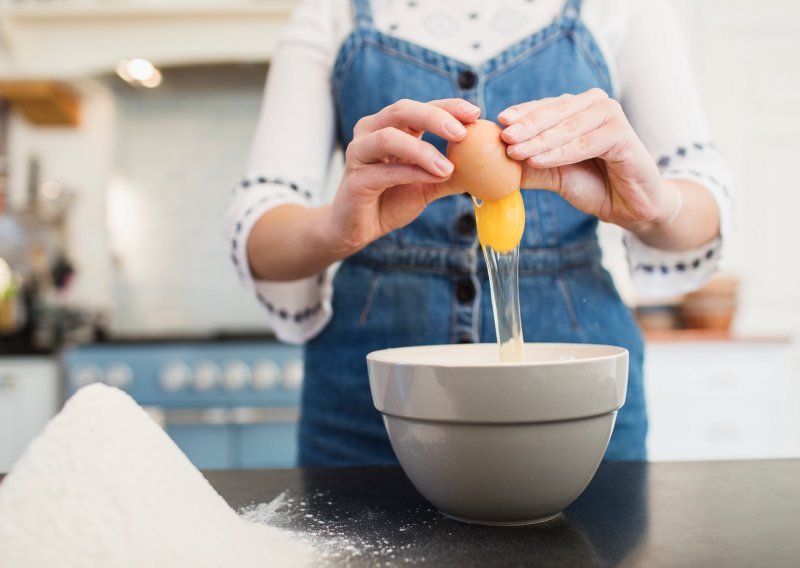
(583, 148)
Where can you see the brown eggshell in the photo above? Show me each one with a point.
(482, 167)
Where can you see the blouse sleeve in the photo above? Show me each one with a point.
(288, 163)
(660, 100)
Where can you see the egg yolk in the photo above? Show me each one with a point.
(501, 222)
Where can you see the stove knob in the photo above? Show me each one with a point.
(175, 376)
(237, 376)
(119, 375)
(207, 375)
(87, 375)
(266, 375)
(293, 374)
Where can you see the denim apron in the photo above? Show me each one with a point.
(427, 283)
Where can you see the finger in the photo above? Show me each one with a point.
(440, 189)
(515, 112)
(381, 176)
(391, 143)
(572, 127)
(609, 142)
(545, 116)
(408, 115)
(463, 110)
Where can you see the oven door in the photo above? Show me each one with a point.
(233, 438)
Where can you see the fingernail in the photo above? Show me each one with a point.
(455, 128)
(514, 131)
(509, 115)
(445, 167)
(514, 152)
(469, 108)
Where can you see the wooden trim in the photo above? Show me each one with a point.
(699, 335)
(44, 103)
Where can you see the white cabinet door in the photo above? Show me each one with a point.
(29, 397)
(722, 400)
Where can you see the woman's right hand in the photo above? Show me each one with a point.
(390, 174)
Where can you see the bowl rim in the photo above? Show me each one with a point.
(388, 356)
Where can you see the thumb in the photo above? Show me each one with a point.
(540, 178)
(436, 191)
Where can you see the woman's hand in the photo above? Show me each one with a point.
(390, 174)
(583, 148)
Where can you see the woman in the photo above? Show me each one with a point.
(393, 83)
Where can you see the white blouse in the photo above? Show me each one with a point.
(295, 136)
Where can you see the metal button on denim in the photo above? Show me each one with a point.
(465, 291)
(466, 225)
(467, 79)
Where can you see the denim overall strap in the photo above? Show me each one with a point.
(572, 9)
(363, 12)
(427, 283)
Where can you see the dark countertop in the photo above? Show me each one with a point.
(703, 514)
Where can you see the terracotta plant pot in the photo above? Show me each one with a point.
(713, 307)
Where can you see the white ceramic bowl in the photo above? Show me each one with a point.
(496, 443)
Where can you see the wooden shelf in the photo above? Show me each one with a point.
(694, 335)
(44, 103)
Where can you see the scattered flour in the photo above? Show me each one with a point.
(339, 539)
(104, 485)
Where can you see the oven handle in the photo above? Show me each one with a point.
(222, 416)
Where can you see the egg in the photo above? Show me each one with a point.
(481, 166)
(501, 222)
(484, 170)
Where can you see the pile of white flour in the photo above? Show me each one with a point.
(104, 485)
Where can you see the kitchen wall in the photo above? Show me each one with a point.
(745, 60)
(180, 149)
(151, 172)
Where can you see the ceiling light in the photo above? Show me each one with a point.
(139, 72)
(140, 69)
(153, 81)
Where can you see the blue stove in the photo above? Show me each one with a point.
(227, 405)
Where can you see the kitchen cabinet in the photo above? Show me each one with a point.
(167, 33)
(29, 397)
(722, 399)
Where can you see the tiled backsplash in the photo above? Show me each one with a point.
(180, 149)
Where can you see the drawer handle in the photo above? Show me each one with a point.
(229, 416)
